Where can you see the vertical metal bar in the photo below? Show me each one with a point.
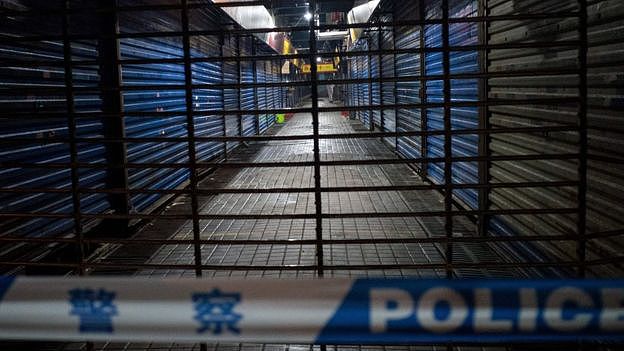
(273, 89)
(448, 152)
(283, 95)
(224, 117)
(381, 84)
(190, 126)
(266, 89)
(317, 150)
(73, 148)
(369, 58)
(349, 97)
(113, 126)
(395, 91)
(239, 92)
(357, 90)
(254, 64)
(583, 139)
(359, 67)
(424, 125)
(484, 123)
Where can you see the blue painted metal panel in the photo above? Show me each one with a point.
(408, 92)
(461, 90)
(248, 95)
(14, 97)
(388, 89)
(230, 96)
(141, 100)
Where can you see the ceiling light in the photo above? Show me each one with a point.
(318, 59)
(307, 16)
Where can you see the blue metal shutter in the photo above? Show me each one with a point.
(262, 96)
(144, 127)
(408, 92)
(18, 95)
(375, 74)
(388, 89)
(362, 72)
(230, 96)
(461, 34)
(248, 95)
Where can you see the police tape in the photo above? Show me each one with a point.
(329, 311)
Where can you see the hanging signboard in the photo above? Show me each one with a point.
(321, 68)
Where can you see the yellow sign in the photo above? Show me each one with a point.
(320, 68)
(287, 49)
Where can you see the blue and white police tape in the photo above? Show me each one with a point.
(329, 311)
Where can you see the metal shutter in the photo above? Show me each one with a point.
(23, 92)
(408, 92)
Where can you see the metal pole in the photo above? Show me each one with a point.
(583, 141)
(255, 81)
(424, 123)
(73, 149)
(239, 77)
(448, 152)
(113, 127)
(484, 123)
(190, 125)
(317, 151)
(224, 116)
(371, 117)
(381, 99)
(395, 91)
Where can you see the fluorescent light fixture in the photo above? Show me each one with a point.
(307, 16)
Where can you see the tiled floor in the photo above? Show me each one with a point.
(283, 255)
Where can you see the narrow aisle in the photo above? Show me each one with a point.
(230, 258)
(237, 257)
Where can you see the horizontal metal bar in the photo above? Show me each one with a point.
(374, 135)
(398, 266)
(171, 87)
(500, 212)
(499, 102)
(293, 242)
(214, 191)
(371, 162)
(286, 29)
(341, 54)
(606, 159)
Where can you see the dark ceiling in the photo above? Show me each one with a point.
(291, 13)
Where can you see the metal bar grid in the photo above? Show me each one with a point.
(455, 219)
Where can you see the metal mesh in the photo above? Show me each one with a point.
(467, 142)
